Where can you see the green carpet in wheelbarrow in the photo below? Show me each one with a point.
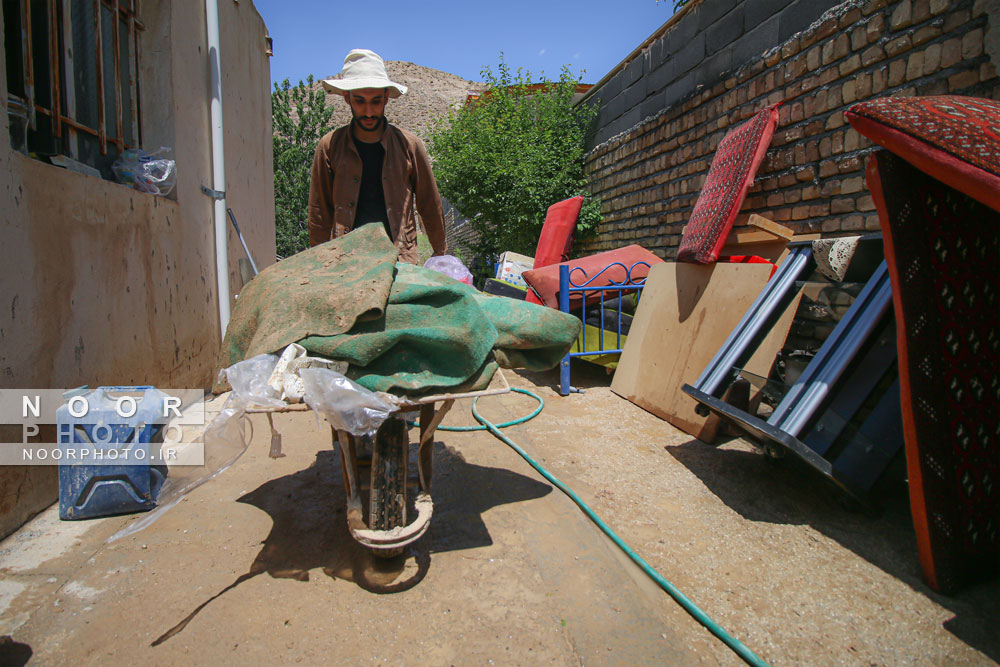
(403, 329)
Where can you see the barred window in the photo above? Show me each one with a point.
(72, 83)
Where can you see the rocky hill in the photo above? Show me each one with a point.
(431, 94)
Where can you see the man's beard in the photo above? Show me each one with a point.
(378, 126)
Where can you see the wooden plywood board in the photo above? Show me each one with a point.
(684, 316)
(762, 237)
(758, 227)
(770, 226)
(772, 251)
(750, 236)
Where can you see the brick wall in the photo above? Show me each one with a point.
(812, 178)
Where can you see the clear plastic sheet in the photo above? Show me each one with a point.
(346, 405)
(450, 266)
(256, 384)
(250, 380)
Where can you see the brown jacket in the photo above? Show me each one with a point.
(406, 176)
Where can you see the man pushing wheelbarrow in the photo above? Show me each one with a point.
(394, 338)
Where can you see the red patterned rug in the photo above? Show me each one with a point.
(955, 139)
(943, 252)
(732, 172)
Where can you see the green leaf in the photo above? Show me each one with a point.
(294, 144)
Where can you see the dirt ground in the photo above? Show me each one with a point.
(258, 565)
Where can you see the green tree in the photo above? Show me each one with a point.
(503, 160)
(300, 117)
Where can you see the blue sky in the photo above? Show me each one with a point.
(312, 36)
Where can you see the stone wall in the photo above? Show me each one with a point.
(812, 179)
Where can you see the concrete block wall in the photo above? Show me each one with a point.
(812, 179)
(703, 40)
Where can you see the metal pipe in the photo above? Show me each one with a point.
(564, 386)
(218, 164)
(117, 60)
(27, 64)
(133, 82)
(102, 126)
(762, 315)
(805, 397)
(239, 234)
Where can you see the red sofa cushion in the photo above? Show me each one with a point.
(749, 259)
(556, 239)
(732, 172)
(628, 261)
(955, 139)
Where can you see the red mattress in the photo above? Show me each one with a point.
(631, 261)
(556, 239)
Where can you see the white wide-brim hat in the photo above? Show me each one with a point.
(363, 69)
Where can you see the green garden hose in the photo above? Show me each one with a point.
(541, 404)
(690, 607)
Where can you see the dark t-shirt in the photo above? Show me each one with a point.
(371, 196)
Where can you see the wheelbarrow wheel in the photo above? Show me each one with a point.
(390, 453)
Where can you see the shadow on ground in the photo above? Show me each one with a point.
(788, 491)
(310, 531)
(583, 375)
(12, 653)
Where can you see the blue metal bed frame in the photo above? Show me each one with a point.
(568, 286)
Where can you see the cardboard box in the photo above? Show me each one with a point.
(512, 265)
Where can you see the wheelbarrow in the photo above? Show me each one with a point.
(380, 464)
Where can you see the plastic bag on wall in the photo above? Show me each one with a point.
(147, 172)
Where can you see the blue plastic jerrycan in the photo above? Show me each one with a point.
(105, 464)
